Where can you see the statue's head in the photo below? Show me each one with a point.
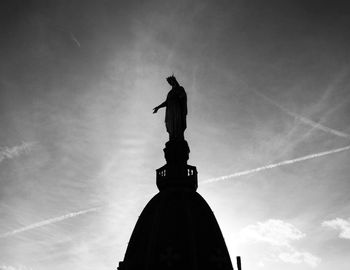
(172, 81)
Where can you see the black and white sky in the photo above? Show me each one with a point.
(268, 126)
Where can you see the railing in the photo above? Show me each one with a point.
(190, 171)
(161, 172)
(183, 177)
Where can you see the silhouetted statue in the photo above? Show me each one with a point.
(176, 110)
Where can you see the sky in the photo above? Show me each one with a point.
(268, 126)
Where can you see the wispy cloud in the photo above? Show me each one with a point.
(339, 224)
(50, 221)
(15, 151)
(278, 164)
(10, 267)
(279, 235)
(273, 231)
(297, 257)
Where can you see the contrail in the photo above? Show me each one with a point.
(304, 119)
(11, 152)
(58, 219)
(320, 126)
(315, 125)
(76, 41)
(50, 221)
(271, 166)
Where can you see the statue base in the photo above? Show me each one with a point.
(176, 152)
(176, 173)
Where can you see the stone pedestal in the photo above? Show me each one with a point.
(176, 152)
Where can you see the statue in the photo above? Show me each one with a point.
(176, 110)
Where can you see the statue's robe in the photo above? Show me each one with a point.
(176, 111)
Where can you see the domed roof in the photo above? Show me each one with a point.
(176, 230)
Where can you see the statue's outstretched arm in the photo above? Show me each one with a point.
(155, 109)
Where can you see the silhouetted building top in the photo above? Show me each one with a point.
(176, 229)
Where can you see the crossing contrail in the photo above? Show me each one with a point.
(313, 124)
(74, 39)
(50, 221)
(303, 119)
(274, 165)
(320, 126)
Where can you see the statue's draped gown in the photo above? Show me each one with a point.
(176, 111)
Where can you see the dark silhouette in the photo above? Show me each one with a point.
(239, 264)
(177, 229)
(176, 110)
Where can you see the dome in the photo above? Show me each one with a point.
(176, 230)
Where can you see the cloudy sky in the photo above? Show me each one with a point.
(268, 126)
